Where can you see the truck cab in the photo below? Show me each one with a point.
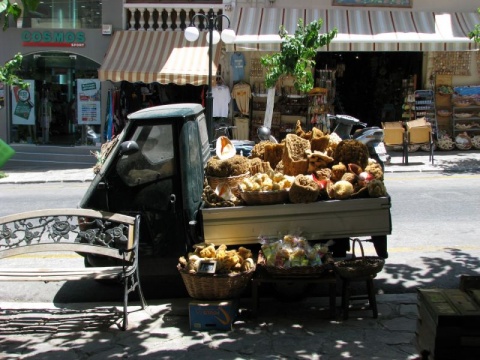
(156, 168)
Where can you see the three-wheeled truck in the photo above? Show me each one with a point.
(156, 169)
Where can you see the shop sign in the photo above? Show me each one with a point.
(23, 104)
(53, 38)
(88, 102)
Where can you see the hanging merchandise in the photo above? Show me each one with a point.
(109, 119)
(242, 93)
(237, 61)
(221, 99)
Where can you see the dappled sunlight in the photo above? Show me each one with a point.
(434, 272)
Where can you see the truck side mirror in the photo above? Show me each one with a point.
(128, 148)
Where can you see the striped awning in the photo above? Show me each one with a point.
(158, 56)
(358, 30)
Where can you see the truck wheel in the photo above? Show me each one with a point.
(340, 248)
(380, 245)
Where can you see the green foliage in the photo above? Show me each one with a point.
(7, 10)
(297, 56)
(8, 72)
(475, 33)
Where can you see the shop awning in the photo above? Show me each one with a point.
(158, 56)
(358, 30)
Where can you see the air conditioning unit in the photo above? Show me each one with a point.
(106, 29)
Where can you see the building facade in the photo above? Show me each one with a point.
(85, 58)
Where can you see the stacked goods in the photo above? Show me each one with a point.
(294, 256)
(266, 188)
(305, 167)
(227, 261)
(292, 251)
(223, 172)
(214, 273)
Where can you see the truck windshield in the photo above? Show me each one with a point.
(155, 159)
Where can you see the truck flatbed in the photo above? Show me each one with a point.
(315, 221)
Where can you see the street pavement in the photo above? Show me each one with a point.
(419, 161)
(284, 329)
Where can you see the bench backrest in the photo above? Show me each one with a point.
(79, 230)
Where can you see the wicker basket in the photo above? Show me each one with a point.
(215, 286)
(358, 266)
(232, 181)
(462, 103)
(264, 197)
(444, 113)
(296, 271)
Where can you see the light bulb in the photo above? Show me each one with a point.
(228, 36)
(215, 37)
(191, 33)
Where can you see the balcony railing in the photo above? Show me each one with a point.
(167, 17)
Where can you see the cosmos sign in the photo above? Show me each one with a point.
(53, 38)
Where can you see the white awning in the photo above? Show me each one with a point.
(158, 56)
(358, 30)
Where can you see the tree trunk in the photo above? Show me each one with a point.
(267, 122)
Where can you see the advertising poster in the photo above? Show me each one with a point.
(2, 95)
(88, 102)
(23, 104)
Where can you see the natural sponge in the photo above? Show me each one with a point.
(295, 161)
(236, 165)
(351, 151)
(304, 190)
(340, 190)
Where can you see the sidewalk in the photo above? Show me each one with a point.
(444, 161)
(283, 330)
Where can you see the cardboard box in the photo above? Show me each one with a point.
(419, 131)
(212, 315)
(393, 133)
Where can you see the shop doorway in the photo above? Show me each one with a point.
(371, 85)
(54, 76)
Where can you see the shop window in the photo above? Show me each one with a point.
(53, 119)
(65, 14)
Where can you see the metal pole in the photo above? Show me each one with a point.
(210, 70)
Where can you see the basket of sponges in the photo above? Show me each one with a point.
(216, 273)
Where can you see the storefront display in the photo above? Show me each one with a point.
(50, 111)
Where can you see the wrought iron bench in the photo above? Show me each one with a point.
(86, 232)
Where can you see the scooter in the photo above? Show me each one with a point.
(372, 136)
